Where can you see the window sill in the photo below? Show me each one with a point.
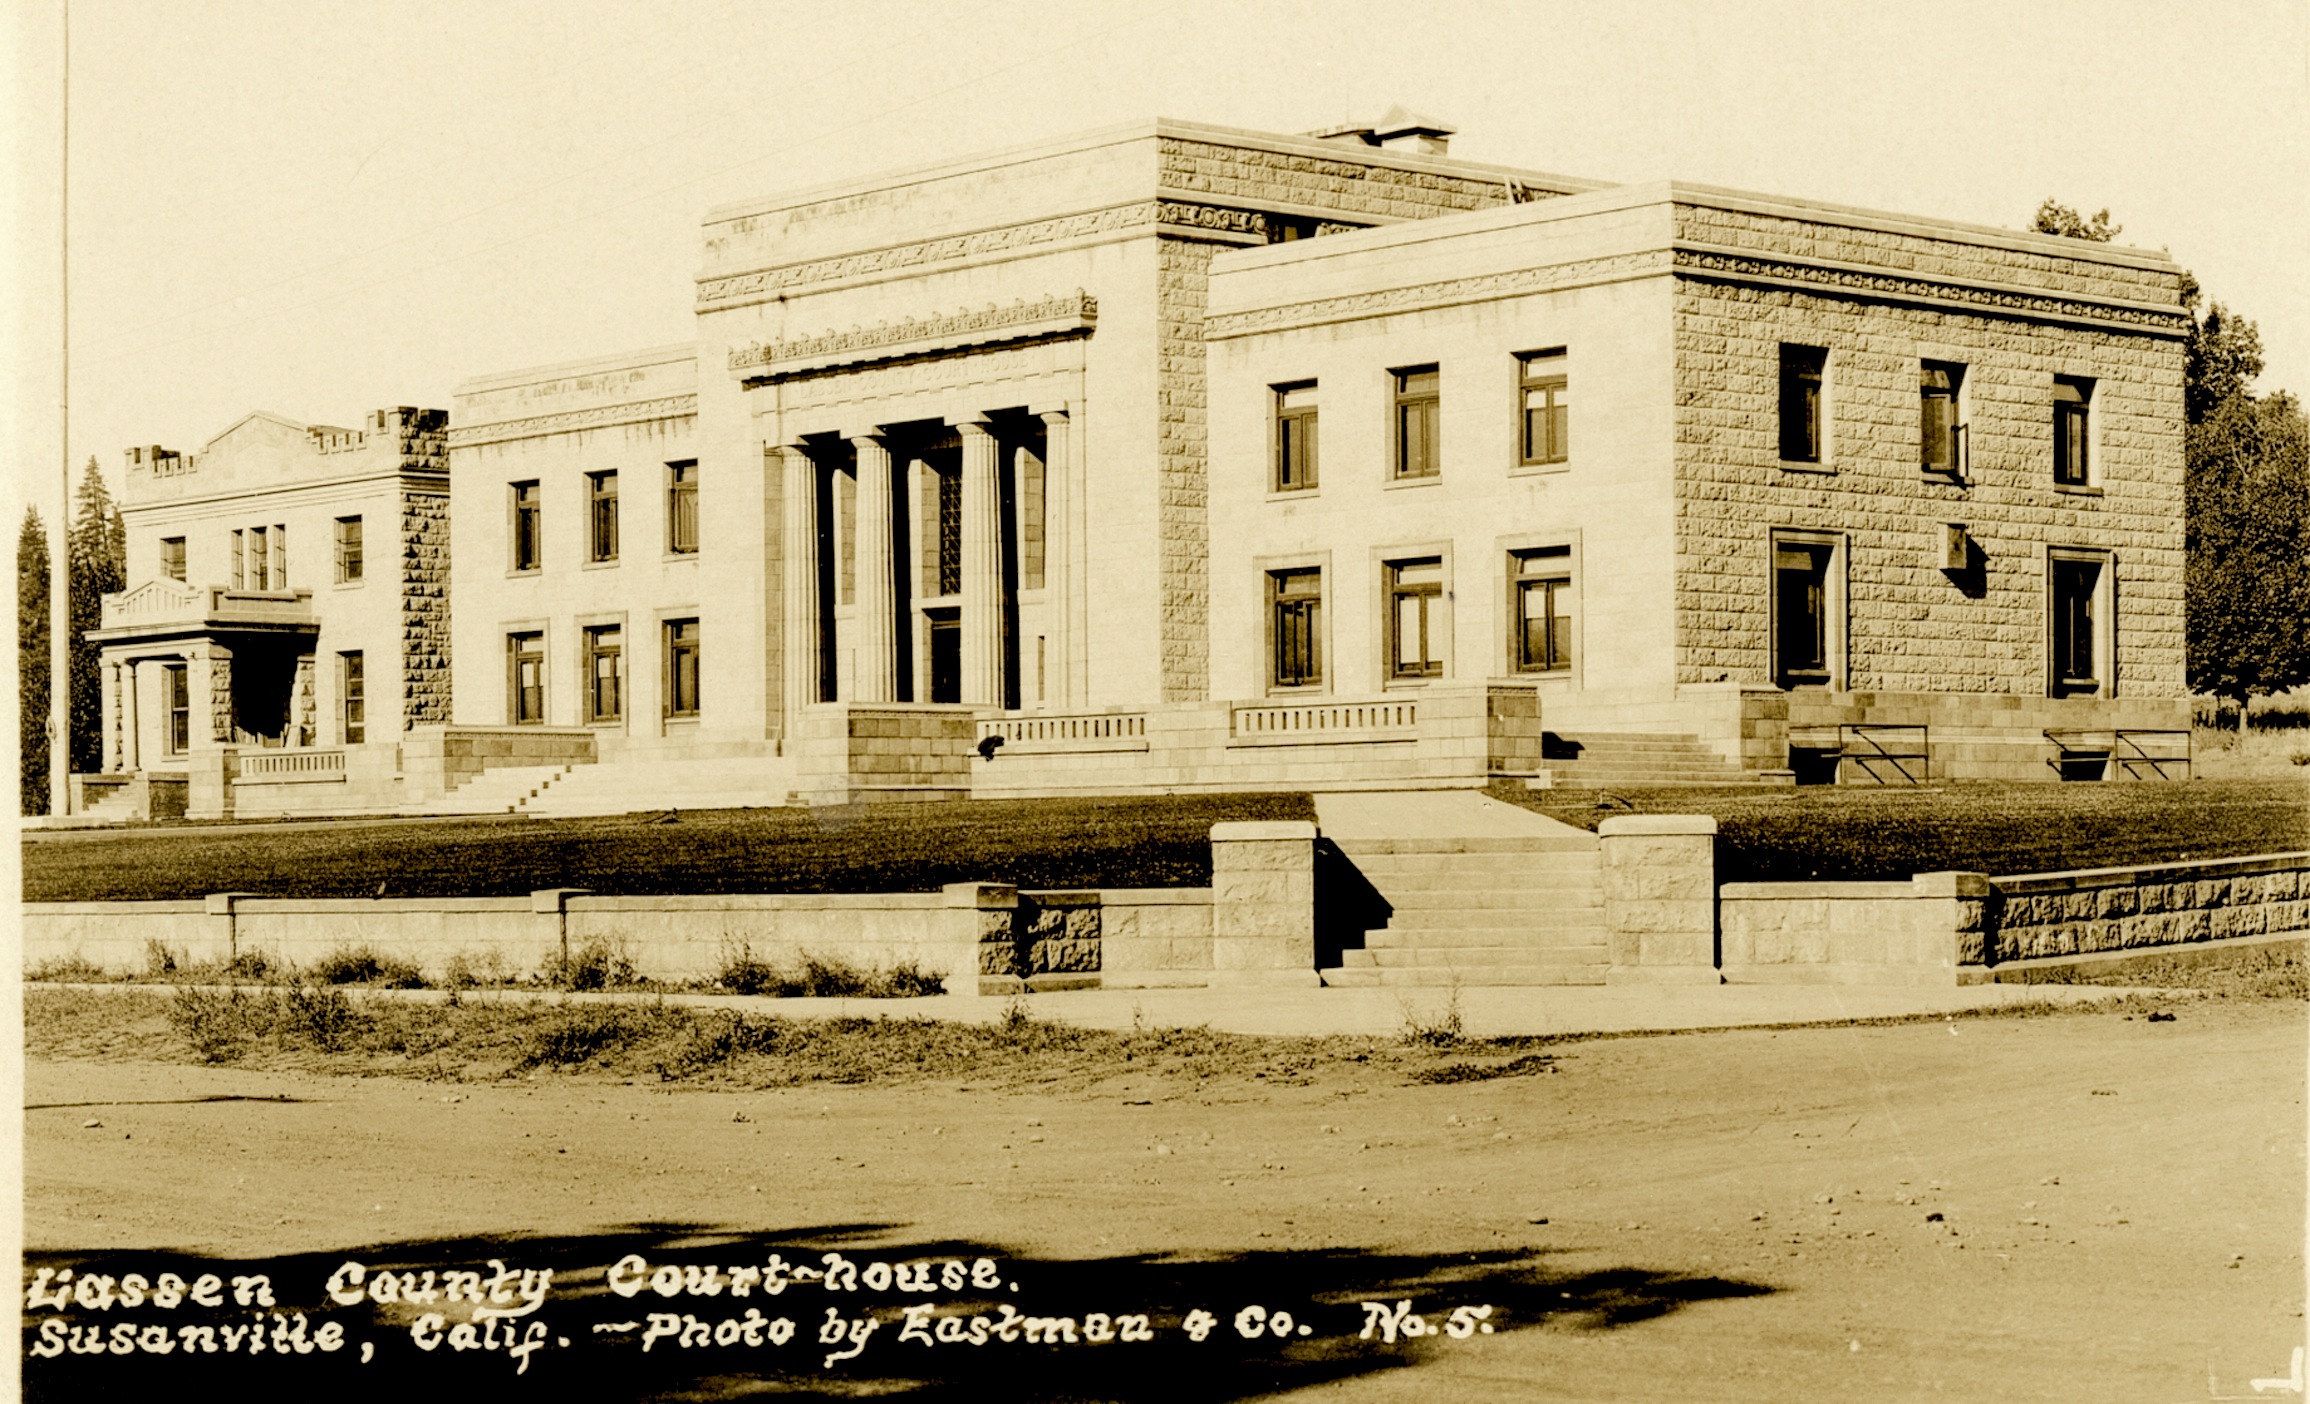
(2077, 489)
(349, 584)
(671, 556)
(1410, 684)
(610, 564)
(1424, 481)
(1827, 470)
(606, 724)
(1292, 494)
(1539, 470)
(531, 573)
(1288, 690)
(1944, 477)
(686, 722)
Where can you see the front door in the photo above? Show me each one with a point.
(945, 657)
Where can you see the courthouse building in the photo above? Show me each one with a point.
(1181, 457)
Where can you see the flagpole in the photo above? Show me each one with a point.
(60, 553)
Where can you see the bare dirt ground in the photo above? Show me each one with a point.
(2080, 1206)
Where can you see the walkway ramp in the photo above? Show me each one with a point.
(1475, 892)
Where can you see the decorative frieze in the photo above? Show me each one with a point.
(1894, 287)
(1068, 314)
(570, 421)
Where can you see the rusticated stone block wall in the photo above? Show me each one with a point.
(424, 609)
(2122, 909)
(1912, 627)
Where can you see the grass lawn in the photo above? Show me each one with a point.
(1155, 841)
(1875, 834)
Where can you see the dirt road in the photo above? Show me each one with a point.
(2072, 1207)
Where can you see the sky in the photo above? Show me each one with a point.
(320, 208)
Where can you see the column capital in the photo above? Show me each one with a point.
(969, 424)
(1047, 413)
(854, 433)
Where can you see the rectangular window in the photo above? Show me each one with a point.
(1034, 474)
(240, 553)
(1415, 618)
(352, 699)
(528, 541)
(1940, 431)
(846, 534)
(1418, 395)
(1801, 613)
(260, 559)
(349, 562)
(605, 673)
(1547, 419)
(1295, 599)
(682, 509)
(280, 574)
(172, 557)
(681, 667)
(1804, 372)
(1294, 437)
(525, 678)
(176, 708)
(2072, 431)
(602, 516)
(949, 533)
(1542, 609)
(2079, 632)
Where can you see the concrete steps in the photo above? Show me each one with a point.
(642, 784)
(1509, 898)
(499, 791)
(1632, 760)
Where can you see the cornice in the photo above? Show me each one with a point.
(569, 421)
(762, 285)
(1066, 314)
(1711, 265)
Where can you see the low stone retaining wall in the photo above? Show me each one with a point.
(2129, 909)
(1854, 933)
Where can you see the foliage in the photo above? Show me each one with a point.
(97, 562)
(594, 965)
(364, 965)
(822, 976)
(32, 662)
(2247, 570)
(2054, 217)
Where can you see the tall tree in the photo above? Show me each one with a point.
(97, 565)
(2053, 217)
(32, 661)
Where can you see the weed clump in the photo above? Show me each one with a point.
(364, 965)
(595, 965)
(74, 969)
(1443, 1031)
(220, 1025)
(819, 976)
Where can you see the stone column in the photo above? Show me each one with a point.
(982, 565)
(131, 741)
(803, 621)
(874, 672)
(1058, 579)
(211, 667)
(108, 685)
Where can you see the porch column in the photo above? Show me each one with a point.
(874, 671)
(131, 742)
(108, 684)
(802, 626)
(982, 565)
(212, 721)
(1058, 580)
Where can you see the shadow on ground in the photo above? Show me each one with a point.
(593, 1339)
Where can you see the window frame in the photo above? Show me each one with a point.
(674, 646)
(1802, 366)
(1426, 406)
(1311, 605)
(172, 558)
(176, 708)
(1957, 464)
(682, 507)
(239, 570)
(2073, 434)
(602, 524)
(602, 639)
(1832, 672)
(1556, 380)
(260, 558)
(1294, 442)
(351, 551)
(352, 697)
(1434, 618)
(525, 507)
(2101, 618)
(1561, 575)
(515, 654)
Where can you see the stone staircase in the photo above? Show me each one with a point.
(1511, 899)
(1602, 760)
(500, 791)
(638, 784)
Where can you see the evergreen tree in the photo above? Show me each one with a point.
(97, 562)
(32, 661)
